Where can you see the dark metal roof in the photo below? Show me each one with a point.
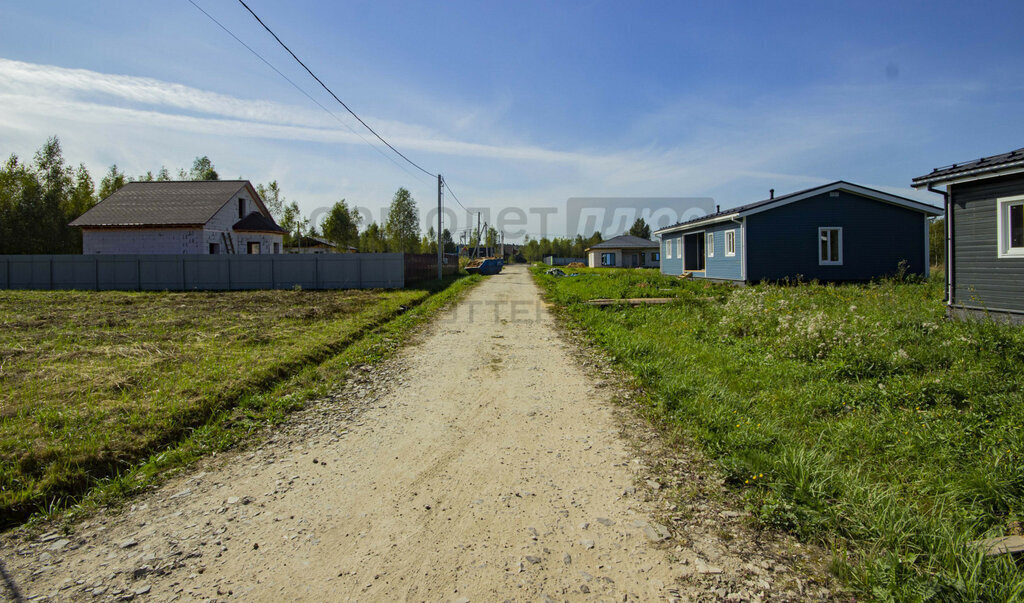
(257, 222)
(782, 199)
(625, 242)
(172, 203)
(977, 168)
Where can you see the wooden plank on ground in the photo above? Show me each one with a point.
(1001, 546)
(632, 301)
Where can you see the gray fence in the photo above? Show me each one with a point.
(203, 272)
(552, 260)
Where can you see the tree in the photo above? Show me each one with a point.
(202, 169)
(293, 222)
(403, 225)
(372, 239)
(163, 175)
(272, 198)
(114, 180)
(491, 238)
(937, 241)
(640, 229)
(429, 242)
(447, 242)
(341, 224)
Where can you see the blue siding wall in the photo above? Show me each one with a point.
(673, 265)
(720, 266)
(783, 242)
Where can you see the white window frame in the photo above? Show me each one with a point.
(668, 249)
(817, 244)
(1003, 205)
(709, 245)
(730, 243)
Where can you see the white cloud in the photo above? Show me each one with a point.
(142, 123)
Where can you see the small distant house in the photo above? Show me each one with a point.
(984, 235)
(189, 217)
(309, 244)
(624, 251)
(835, 232)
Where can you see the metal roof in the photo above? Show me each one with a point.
(992, 165)
(766, 204)
(625, 242)
(169, 203)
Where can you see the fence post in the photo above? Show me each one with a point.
(51, 273)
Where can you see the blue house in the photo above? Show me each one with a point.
(836, 232)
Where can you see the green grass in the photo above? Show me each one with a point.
(856, 416)
(101, 392)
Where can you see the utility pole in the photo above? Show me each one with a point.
(440, 249)
(476, 252)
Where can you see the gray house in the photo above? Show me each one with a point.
(835, 232)
(984, 202)
(624, 251)
(189, 217)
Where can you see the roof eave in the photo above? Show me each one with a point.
(689, 225)
(970, 175)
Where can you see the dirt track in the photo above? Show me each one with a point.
(483, 463)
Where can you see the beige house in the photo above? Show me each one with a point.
(624, 251)
(181, 217)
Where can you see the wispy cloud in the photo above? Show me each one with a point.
(712, 148)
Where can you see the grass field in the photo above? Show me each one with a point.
(856, 416)
(96, 385)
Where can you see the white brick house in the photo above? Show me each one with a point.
(189, 217)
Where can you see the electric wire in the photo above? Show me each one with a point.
(300, 89)
(331, 92)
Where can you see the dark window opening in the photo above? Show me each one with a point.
(693, 252)
(607, 259)
(214, 248)
(241, 208)
(254, 248)
(1017, 226)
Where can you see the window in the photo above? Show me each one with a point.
(677, 247)
(668, 249)
(711, 245)
(730, 243)
(607, 259)
(1010, 226)
(241, 208)
(214, 248)
(277, 248)
(830, 246)
(254, 248)
(655, 256)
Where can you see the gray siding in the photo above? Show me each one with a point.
(783, 242)
(202, 272)
(981, 278)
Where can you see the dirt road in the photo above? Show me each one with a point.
(482, 463)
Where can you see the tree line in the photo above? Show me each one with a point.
(39, 198)
(535, 250)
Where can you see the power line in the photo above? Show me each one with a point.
(300, 89)
(454, 196)
(331, 92)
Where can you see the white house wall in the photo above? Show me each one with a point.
(142, 241)
(222, 221)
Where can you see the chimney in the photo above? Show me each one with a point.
(771, 193)
(718, 209)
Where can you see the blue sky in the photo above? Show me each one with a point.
(522, 104)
